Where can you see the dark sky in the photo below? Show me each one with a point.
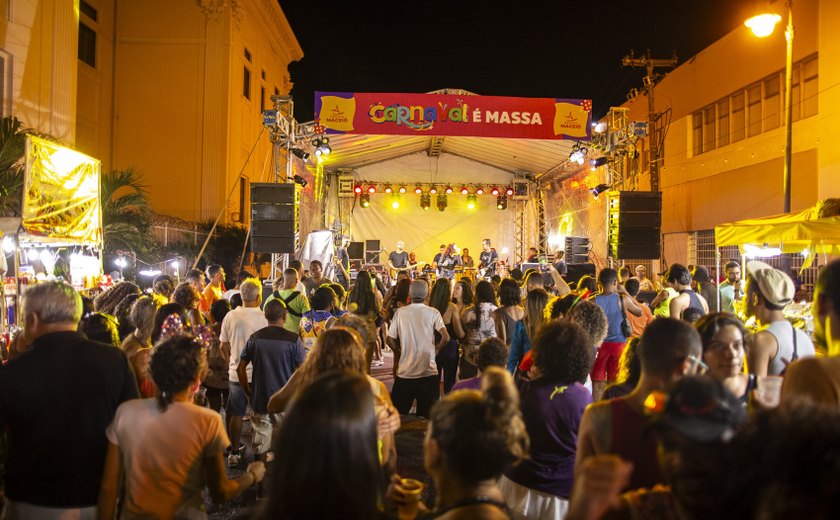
(559, 49)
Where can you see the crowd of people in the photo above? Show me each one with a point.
(544, 399)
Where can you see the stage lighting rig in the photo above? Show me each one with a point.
(364, 200)
(501, 202)
(441, 201)
(425, 201)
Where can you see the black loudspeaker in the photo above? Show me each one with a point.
(575, 272)
(577, 250)
(356, 250)
(272, 218)
(635, 225)
(372, 249)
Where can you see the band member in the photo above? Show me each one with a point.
(488, 259)
(438, 257)
(466, 259)
(448, 260)
(342, 263)
(533, 255)
(413, 265)
(398, 259)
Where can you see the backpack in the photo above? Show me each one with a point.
(288, 300)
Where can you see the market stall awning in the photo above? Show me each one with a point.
(816, 229)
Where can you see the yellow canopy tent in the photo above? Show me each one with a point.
(816, 229)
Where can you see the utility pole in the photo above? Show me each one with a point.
(654, 130)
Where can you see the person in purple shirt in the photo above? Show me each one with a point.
(491, 352)
(552, 403)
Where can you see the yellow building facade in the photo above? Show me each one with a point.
(172, 88)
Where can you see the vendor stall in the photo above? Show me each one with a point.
(60, 213)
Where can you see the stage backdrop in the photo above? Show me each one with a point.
(424, 231)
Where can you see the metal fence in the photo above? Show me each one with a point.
(166, 235)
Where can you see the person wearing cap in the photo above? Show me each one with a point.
(732, 288)
(702, 284)
(668, 350)
(645, 283)
(818, 379)
(411, 335)
(779, 342)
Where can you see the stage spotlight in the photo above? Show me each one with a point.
(509, 191)
(495, 191)
(441, 201)
(364, 200)
(599, 189)
(357, 189)
(395, 201)
(403, 188)
(471, 199)
(479, 190)
(300, 180)
(372, 188)
(389, 189)
(418, 189)
(433, 189)
(297, 152)
(501, 202)
(599, 161)
(465, 190)
(448, 190)
(321, 145)
(425, 201)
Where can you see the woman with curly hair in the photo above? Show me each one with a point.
(471, 438)
(123, 314)
(462, 295)
(169, 449)
(552, 404)
(163, 285)
(479, 325)
(189, 297)
(108, 299)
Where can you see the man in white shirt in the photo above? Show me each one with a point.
(237, 327)
(412, 338)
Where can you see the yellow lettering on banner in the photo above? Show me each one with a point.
(570, 120)
(337, 113)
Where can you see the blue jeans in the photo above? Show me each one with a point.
(447, 364)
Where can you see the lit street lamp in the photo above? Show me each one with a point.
(763, 26)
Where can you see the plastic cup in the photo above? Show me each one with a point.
(770, 390)
(411, 489)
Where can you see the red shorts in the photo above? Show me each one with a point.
(606, 362)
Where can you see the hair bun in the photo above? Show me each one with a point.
(502, 401)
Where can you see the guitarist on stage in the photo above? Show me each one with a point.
(487, 260)
(398, 260)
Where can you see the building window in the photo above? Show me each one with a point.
(809, 88)
(276, 91)
(87, 45)
(247, 55)
(697, 132)
(754, 109)
(88, 10)
(243, 198)
(772, 102)
(262, 75)
(739, 120)
(262, 99)
(796, 91)
(723, 122)
(709, 128)
(246, 82)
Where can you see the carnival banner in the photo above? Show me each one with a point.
(453, 115)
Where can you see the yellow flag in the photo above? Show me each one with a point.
(570, 120)
(337, 113)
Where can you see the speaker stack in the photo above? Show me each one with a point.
(577, 250)
(272, 217)
(635, 222)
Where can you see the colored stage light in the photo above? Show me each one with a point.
(449, 190)
(495, 191)
(403, 188)
(479, 190)
(389, 189)
(395, 201)
(471, 199)
(509, 191)
(465, 190)
(418, 189)
(441, 202)
(501, 202)
(433, 190)
(425, 201)
(372, 188)
(364, 200)
(357, 189)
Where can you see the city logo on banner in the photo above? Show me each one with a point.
(453, 115)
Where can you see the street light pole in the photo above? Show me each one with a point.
(788, 104)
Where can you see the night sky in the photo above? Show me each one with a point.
(559, 49)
